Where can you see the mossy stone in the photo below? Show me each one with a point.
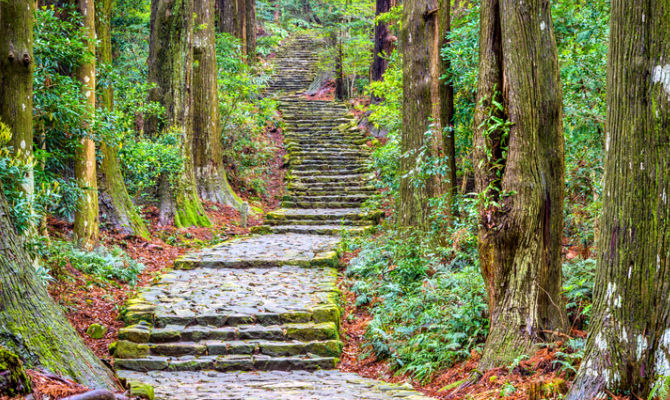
(13, 378)
(141, 390)
(96, 331)
(127, 349)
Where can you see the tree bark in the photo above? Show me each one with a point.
(383, 45)
(446, 94)
(171, 69)
(32, 325)
(418, 43)
(241, 7)
(520, 177)
(86, 218)
(250, 31)
(114, 201)
(628, 348)
(227, 12)
(16, 78)
(207, 149)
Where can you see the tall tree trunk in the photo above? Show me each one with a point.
(339, 68)
(628, 348)
(250, 20)
(241, 8)
(16, 78)
(418, 43)
(227, 11)
(171, 69)
(207, 149)
(115, 203)
(446, 94)
(86, 218)
(383, 45)
(520, 176)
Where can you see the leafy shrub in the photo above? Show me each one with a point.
(244, 117)
(428, 301)
(103, 263)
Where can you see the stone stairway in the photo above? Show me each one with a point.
(294, 64)
(259, 317)
(329, 177)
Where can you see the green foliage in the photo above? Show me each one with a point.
(145, 160)
(58, 102)
(428, 301)
(245, 115)
(27, 208)
(578, 280)
(103, 263)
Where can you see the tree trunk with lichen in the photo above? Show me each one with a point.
(16, 78)
(227, 13)
(114, 201)
(86, 217)
(418, 43)
(241, 18)
(171, 69)
(250, 31)
(207, 148)
(628, 349)
(519, 154)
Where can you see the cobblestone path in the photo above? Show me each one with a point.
(259, 317)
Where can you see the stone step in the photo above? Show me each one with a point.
(226, 363)
(273, 348)
(353, 178)
(324, 215)
(320, 204)
(296, 221)
(333, 172)
(320, 229)
(305, 331)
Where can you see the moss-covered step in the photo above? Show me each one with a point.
(310, 331)
(322, 229)
(273, 348)
(226, 363)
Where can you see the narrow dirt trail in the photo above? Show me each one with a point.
(258, 317)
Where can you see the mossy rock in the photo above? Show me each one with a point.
(96, 331)
(13, 378)
(127, 349)
(141, 390)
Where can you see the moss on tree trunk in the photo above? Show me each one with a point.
(171, 69)
(250, 31)
(32, 325)
(115, 203)
(420, 104)
(520, 177)
(86, 218)
(16, 77)
(628, 349)
(207, 152)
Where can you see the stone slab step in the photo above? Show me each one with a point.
(226, 363)
(308, 331)
(345, 221)
(273, 348)
(321, 229)
(321, 204)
